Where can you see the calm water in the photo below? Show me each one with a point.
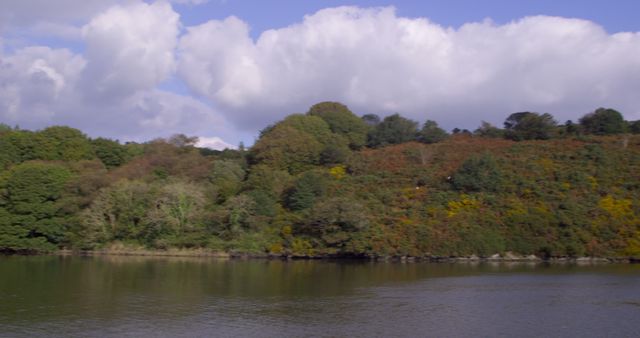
(125, 296)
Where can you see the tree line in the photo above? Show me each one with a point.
(329, 182)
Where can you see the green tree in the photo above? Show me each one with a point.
(486, 129)
(603, 122)
(179, 207)
(271, 181)
(30, 208)
(478, 173)
(336, 221)
(120, 213)
(432, 133)
(288, 148)
(63, 143)
(570, 128)
(182, 140)
(4, 128)
(335, 151)
(227, 177)
(309, 186)
(394, 129)
(110, 152)
(312, 125)
(529, 126)
(342, 121)
(371, 120)
(17, 146)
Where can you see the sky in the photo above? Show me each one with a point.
(221, 70)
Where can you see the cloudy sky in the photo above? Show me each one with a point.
(223, 69)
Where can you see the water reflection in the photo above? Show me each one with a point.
(139, 296)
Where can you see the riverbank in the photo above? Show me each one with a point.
(505, 257)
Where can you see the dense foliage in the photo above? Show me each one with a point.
(330, 182)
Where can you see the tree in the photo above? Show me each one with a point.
(227, 177)
(179, 207)
(634, 127)
(394, 129)
(335, 221)
(431, 133)
(342, 121)
(603, 122)
(110, 152)
(4, 128)
(31, 214)
(182, 140)
(17, 146)
(570, 127)
(478, 173)
(529, 126)
(64, 144)
(288, 148)
(335, 151)
(306, 190)
(371, 120)
(271, 181)
(486, 129)
(312, 125)
(120, 212)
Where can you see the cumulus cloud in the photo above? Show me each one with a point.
(152, 113)
(125, 81)
(214, 143)
(60, 18)
(112, 88)
(190, 2)
(129, 48)
(35, 81)
(375, 61)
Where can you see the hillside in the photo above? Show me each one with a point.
(314, 185)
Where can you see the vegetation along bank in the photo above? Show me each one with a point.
(331, 183)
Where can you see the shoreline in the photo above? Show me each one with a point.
(202, 253)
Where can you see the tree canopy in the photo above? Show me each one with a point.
(603, 122)
(394, 129)
(529, 126)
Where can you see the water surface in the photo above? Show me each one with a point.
(195, 297)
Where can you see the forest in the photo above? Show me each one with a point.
(330, 183)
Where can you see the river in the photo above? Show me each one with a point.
(204, 297)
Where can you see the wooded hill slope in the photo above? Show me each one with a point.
(331, 183)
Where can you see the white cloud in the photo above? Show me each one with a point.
(29, 20)
(375, 61)
(370, 59)
(111, 89)
(35, 81)
(189, 2)
(218, 61)
(129, 48)
(214, 143)
(150, 114)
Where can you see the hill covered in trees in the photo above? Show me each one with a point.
(329, 182)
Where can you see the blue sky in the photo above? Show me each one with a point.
(224, 69)
(615, 16)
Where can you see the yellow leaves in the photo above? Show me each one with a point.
(546, 164)
(617, 208)
(338, 172)
(593, 182)
(287, 230)
(633, 246)
(465, 203)
(276, 248)
(302, 247)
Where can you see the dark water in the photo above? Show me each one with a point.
(125, 296)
